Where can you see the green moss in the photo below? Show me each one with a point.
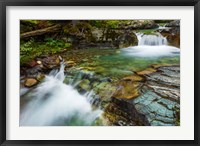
(147, 31)
(31, 21)
(32, 49)
(162, 24)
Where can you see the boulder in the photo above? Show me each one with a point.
(31, 63)
(50, 62)
(29, 82)
(175, 23)
(122, 113)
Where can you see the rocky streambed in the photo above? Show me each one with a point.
(149, 97)
(134, 86)
(145, 97)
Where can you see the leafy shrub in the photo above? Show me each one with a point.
(32, 49)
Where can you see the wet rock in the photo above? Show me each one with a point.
(147, 71)
(160, 123)
(172, 94)
(122, 113)
(30, 82)
(172, 34)
(31, 63)
(156, 66)
(85, 85)
(126, 39)
(104, 89)
(33, 71)
(127, 90)
(133, 78)
(50, 62)
(175, 23)
(40, 76)
(159, 98)
(106, 79)
(164, 78)
(70, 63)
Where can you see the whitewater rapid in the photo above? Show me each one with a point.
(55, 103)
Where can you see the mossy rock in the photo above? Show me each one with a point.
(85, 85)
(105, 90)
(146, 71)
(127, 90)
(133, 78)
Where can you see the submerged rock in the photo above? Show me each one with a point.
(84, 86)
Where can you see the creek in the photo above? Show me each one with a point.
(55, 103)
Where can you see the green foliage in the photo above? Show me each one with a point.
(112, 24)
(67, 45)
(32, 49)
(162, 21)
(33, 22)
(54, 43)
(147, 31)
(162, 24)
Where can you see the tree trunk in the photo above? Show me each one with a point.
(41, 31)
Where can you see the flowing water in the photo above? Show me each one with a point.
(55, 103)
(151, 49)
(152, 46)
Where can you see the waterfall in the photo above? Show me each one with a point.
(151, 46)
(55, 103)
(151, 40)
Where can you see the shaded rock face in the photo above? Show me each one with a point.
(122, 113)
(82, 35)
(175, 23)
(109, 38)
(173, 36)
(172, 33)
(139, 24)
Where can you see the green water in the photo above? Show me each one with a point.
(118, 64)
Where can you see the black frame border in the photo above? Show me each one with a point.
(5, 3)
